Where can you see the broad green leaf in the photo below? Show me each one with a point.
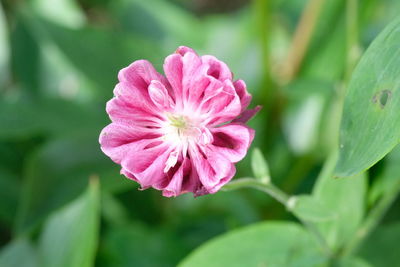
(58, 172)
(370, 125)
(343, 196)
(167, 22)
(138, 245)
(4, 48)
(265, 244)
(259, 165)
(25, 57)
(18, 253)
(380, 248)
(47, 116)
(70, 235)
(310, 209)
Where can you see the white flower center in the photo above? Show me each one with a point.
(183, 132)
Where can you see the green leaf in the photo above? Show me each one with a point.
(70, 235)
(262, 244)
(259, 166)
(370, 125)
(380, 248)
(9, 193)
(64, 12)
(19, 252)
(310, 209)
(58, 172)
(47, 116)
(343, 196)
(138, 245)
(353, 262)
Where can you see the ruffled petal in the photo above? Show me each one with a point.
(246, 115)
(222, 104)
(117, 139)
(216, 68)
(212, 168)
(146, 162)
(139, 74)
(232, 141)
(244, 96)
(160, 97)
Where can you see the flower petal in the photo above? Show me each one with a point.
(212, 168)
(160, 97)
(117, 139)
(246, 115)
(232, 141)
(216, 68)
(241, 90)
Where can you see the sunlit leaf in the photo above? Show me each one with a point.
(263, 244)
(370, 125)
(310, 209)
(345, 197)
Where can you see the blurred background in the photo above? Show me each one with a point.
(59, 61)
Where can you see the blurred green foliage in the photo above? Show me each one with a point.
(59, 61)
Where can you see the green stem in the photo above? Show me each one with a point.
(373, 219)
(302, 38)
(351, 36)
(281, 197)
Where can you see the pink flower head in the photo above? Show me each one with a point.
(180, 133)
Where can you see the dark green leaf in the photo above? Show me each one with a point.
(59, 172)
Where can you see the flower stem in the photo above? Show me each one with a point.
(351, 37)
(284, 199)
(302, 38)
(373, 219)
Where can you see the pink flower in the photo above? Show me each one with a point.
(180, 133)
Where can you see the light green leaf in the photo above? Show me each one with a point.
(69, 238)
(270, 244)
(370, 125)
(19, 252)
(310, 209)
(343, 196)
(304, 114)
(64, 12)
(259, 166)
(353, 262)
